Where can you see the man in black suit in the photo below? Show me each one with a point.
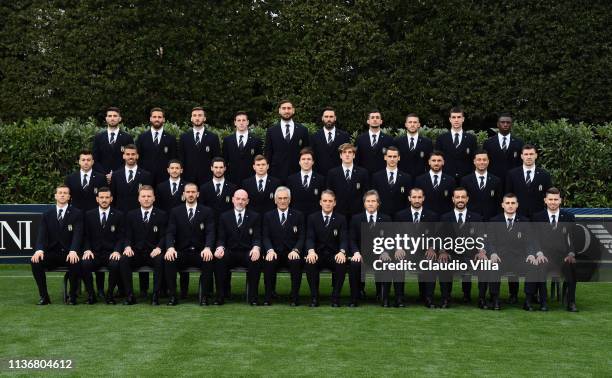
(423, 220)
(392, 184)
(437, 185)
(156, 147)
(239, 244)
(460, 223)
(326, 246)
(128, 179)
(556, 253)
(108, 145)
(218, 192)
(58, 244)
(325, 143)
(145, 238)
(373, 217)
(284, 232)
(197, 148)
(240, 148)
(371, 145)
(306, 185)
(102, 242)
(190, 237)
(509, 242)
(504, 149)
(284, 142)
(413, 148)
(529, 183)
(84, 184)
(458, 146)
(261, 186)
(349, 181)
(484, 188)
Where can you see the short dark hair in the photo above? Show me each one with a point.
(241, 112)
(412, 115)
(460, 189)
(436, 153)
(157, 109)
(192, 184)
(259, 158)
(416, 188)
(481, 151)
(198, 108)
(146, 187)
(175, 161)
(456, 109)
(104, 189)
(85, 151)
(307, 151)
(510, 195)
(553, 190)
(371, 192)
(284, 101)
(392, 148)
(130, 146)
(218, 159)
(374, 111)
(529, 147)
(113, 109)
(504, 114)
(60, 186)
(328, 109)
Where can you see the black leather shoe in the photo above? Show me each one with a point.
(353, 304)
(254, 303)
(173, 301)
(294, 303)
(335, 304)
(513, 299)
(482, 304)
(445, 304)
(110, 300)
(572, 307)
(129, 300)
(386, 303)
(267, 303)
(496, 305)
(219, 302)
(44, 300)
(101, 294)
(91, 299)
(400, 304)
(72, 301)
(314, 303)
(543, 307)
(204, 302)
(467, 299)
(527, 306)
(155, 300)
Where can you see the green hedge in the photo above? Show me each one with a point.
(35, 155)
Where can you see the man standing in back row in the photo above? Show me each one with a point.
(156, 147)
(197, 148)
(108, 145)
(458, 146)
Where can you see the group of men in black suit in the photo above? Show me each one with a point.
(178, 205)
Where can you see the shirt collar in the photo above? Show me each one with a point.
(177, 181)
(326, 131)
(394, 171)
(200, 130)
(327, 215)
(280, 212)
(303, 173)
(57, 208)
(532, 169)
(508, 216)
(375, 214)
(161, 131)
(500, 138)
(88, 172)
(142, 211)
(479, 174)
(374, 133)
(190, 207)
(100, 211)
(464, 212)
(420, 211)
(236, 212)
(290, 122)
(556, 214)
(344, 168)
(264, 178)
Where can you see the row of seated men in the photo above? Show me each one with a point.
(283, 236)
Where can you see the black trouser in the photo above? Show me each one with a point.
(326, 260)
(569, 279)
(446, 278)
(54, 260)
(295, 270)
(139, 259)
(91, 265)
(185, 259)
(535, 281)
(235, 258)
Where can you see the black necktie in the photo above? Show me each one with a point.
(287, 133)
(197, 140)
(156, 139)
(146, 217)
(411, 143)
(435, 183)
(504, 144)
(553, 221)
(131, 176)
(482, 183)
(85, 181)
(305, 183)
(173, 188)
(260, 187)
(60, 214)
(241, 142)
(391, 179)
(103, 221)
(373, 140)
(218, 190)
(283, 219)
(509, 226)
(190, 217)
(415, 217)
(326, 220)
(371, 219)
(460, 220)
(329, 137)
(239, 223)
(347, 175)
(112, 139)
(528, 179)
(456, 141)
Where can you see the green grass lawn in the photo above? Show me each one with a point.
(236, 339)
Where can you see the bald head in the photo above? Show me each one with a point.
(240, 199)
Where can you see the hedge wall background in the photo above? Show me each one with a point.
(35, 155)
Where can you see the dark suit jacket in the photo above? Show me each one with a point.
(458, 162)
(109, 158)
(84, 198)
(264, 201)
(284, 157)
(303, 199)
(240, 163)
(511, 245)
(553, 242)
(414, 162)
(242, 238)
(438, 200)
(145, 237)
(327, 240)
(501, 162)
(472, 227)
(60, 237)
(104, 240)
(355, 229)
(195, 235)
(425, 215)
(219, 204)
(125, 196)
(284, 239)
(372, 158)
(349, 194)
(392, 198)
(326, 155)
(154, 158)
(196, 159)
(486, 202)
(530, 197)
(164, 198)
